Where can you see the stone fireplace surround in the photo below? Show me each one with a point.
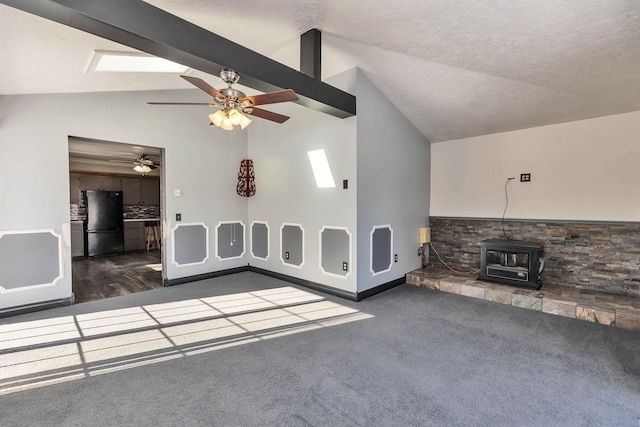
(595, 256)
(592, 270)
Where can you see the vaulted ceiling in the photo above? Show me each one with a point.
(454, 68)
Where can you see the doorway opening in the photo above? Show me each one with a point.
(116, 247)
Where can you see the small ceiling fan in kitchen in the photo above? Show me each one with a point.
(143, 165)
(233, 104)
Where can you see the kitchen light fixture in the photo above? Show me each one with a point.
(143, 165)
(142, 169)
(132, 62)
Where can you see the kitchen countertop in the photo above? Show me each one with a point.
(142, 219)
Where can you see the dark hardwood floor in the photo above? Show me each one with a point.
(110, 276)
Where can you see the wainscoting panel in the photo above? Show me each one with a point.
(260, 240)
(292, 245)
(190, 244)
(381, 249)
(29, 259)
(229, 240)
(335, 250)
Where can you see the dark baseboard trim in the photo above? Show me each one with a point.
(353, 296)
(380, 288)
(29, 308)
(182, 280)
(307, 284)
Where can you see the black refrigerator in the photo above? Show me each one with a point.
(104, 226)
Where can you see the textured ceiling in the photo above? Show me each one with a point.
(455, 68)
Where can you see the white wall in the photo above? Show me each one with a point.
(582, 170)
(287, 192)
(393, 182)
(201, 160)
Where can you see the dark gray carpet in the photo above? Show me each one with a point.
(424, 358)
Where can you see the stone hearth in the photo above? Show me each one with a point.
(622, 311)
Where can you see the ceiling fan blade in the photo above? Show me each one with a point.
(273, 97)
(207, 104)
(202, 85)
(268, 115)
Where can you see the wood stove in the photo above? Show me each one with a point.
(512, 262)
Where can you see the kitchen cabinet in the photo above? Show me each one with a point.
(141, 191)
(134, 237)
(150, 189)
(99, 182)
(77, 239)
(131, 191)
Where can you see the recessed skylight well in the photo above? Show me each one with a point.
(132, 62)
(321, 169)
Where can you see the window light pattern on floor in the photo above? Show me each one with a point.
(38, 353)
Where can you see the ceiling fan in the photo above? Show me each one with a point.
(143, 164)
(234, 104)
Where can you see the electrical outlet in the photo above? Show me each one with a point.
(345, 266)
(525, 177)
(286, 255)
(395, 258)
(178, 217)
(419, 251)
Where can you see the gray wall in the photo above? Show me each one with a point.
(393, 182)
(286, 189)
(384, 158)
(201, 160)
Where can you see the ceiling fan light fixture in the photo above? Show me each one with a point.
(245, 122)
(142, 169)
(217, 117)
(235, 117)
(226, 124)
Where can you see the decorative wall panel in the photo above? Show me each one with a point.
(335, 251)
(292, 245)
(381, 249)
(190, 244)
(229, 240)
(30, 259)
(260, 240)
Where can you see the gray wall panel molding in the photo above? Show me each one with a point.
(190, 244)
(230, 240)
(30, 259)
(335, 249)
(381, 249)
(292, 242)
(260, 240)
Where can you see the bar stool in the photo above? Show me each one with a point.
(152, 236)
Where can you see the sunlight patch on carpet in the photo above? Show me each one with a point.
(39, 353)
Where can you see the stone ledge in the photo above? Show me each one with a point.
(622, 311)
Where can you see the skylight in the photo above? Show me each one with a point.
(321, 169)
(132, 62)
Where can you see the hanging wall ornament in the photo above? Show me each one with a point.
(246, 179)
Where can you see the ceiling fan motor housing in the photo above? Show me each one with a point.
(229, 76)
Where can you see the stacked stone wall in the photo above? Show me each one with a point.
(586, 255)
